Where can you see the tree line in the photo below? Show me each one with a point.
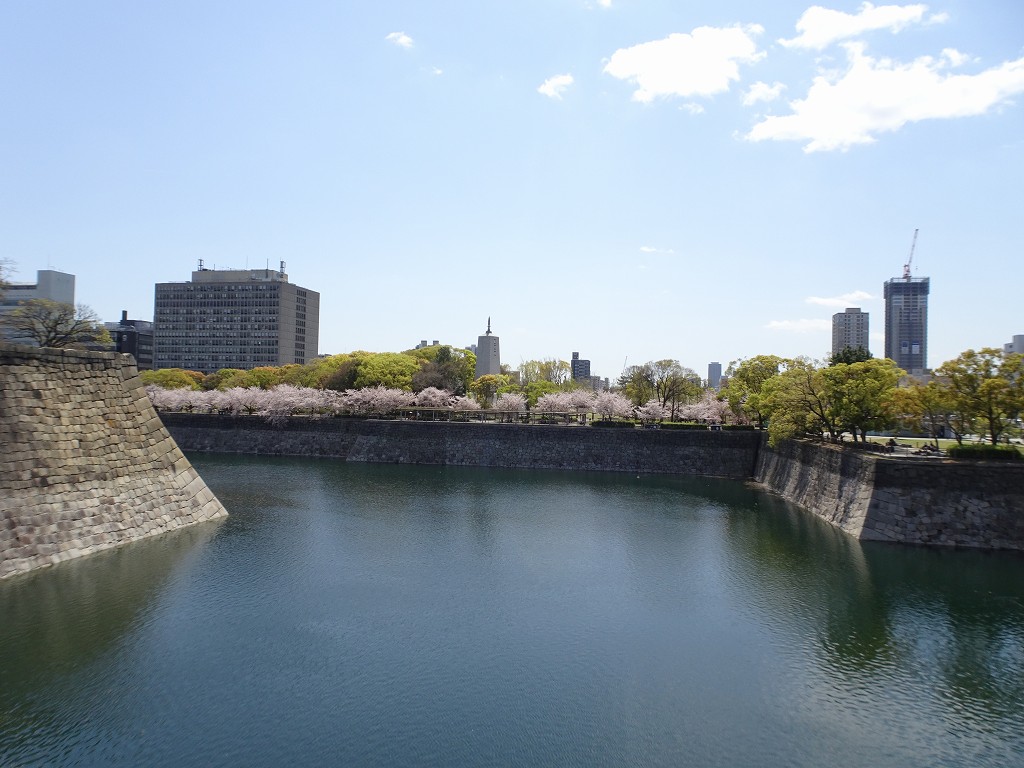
(979, 393)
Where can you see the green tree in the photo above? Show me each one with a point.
(860, 394)
(674, 385)
(850, 355)
(388, 369)
(798, 402)
(746, 380)
(54, 324)
(923, 408)
(637, 383)
(487, 387)
(537, 389)
(172, 378)
(985, 386)
(445, 368)
(550, 369)
(217, 379)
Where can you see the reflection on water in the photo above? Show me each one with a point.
(390, 615)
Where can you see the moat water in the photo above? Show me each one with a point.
(362, 615)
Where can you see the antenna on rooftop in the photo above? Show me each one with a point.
(282, 267)
(201, 267)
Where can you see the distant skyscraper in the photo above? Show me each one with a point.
(1016, 346)
(906, 322)
(714, 375)
(580, 368)
(488, 357)
(234, 319)
(849, 330)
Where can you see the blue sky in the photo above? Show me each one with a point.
(629, 179)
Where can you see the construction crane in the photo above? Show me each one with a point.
(910, 258)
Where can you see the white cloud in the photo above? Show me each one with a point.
(400, 39)
(436, 71)
(693, 108)
(555, 86)
(701, 63)
(651, 249)
(820, 27)
(762, 92)
(878, 95)
(851, 299)
(800, 326)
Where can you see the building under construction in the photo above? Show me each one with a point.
(906, 319)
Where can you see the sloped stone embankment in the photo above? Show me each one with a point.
(85, 462)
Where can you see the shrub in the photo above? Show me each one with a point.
(987, 452)
(740, 427)
(613, 424)
(683, 425)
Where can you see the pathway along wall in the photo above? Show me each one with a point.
(85, 462)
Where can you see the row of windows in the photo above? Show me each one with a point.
(221, 288)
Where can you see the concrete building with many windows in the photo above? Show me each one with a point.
(234, 319)
(850, 330)
(906, 322)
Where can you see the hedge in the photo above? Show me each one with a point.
(988, 452)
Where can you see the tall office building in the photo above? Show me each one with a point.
(1015, 346)
(234, 319)
(714, 375)
(906, 322)
(580, 368)
(849, 330)
(488, 357)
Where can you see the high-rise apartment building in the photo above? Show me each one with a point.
(849, 330)
(580, 368)
(488, 355)
(234, 319)
(906, 322)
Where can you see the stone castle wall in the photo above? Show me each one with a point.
(85, 462)
(911, 501)
(702, 452)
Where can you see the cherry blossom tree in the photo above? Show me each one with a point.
(510, 404)
(432, 397)
(464, 403)
(610, 405)
(652, 411)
